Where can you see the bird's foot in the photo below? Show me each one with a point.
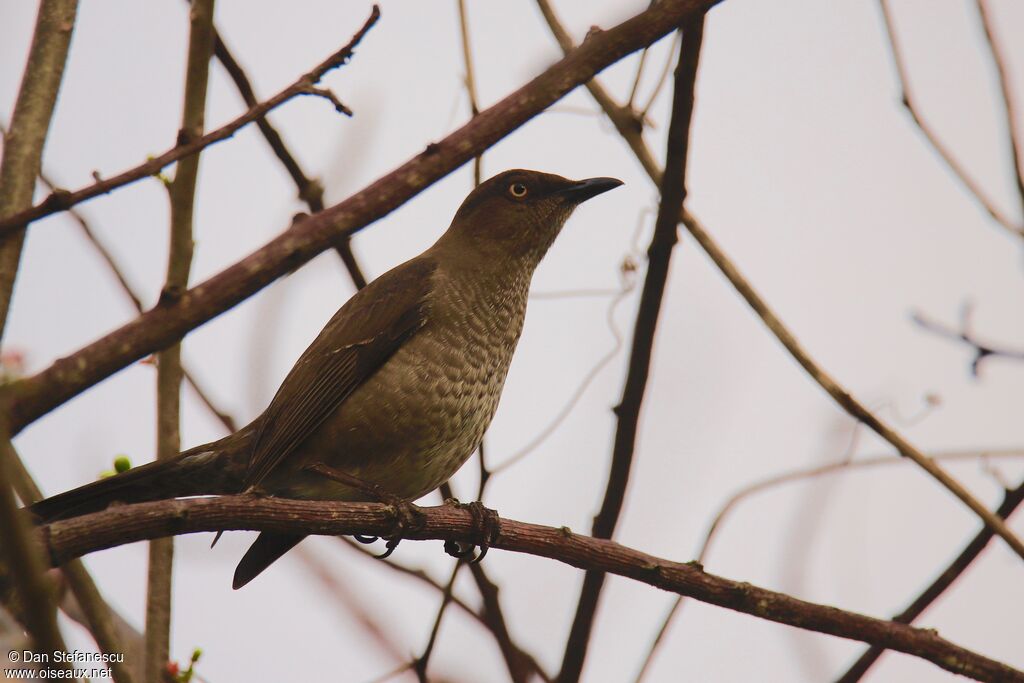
(406, 515)
(486, 524)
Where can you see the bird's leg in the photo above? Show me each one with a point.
(406, 517)
(486, 523)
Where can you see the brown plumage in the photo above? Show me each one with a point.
(398, 388)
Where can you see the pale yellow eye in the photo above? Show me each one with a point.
(517, 190)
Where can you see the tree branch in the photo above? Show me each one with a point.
(972, 187)
(181, 193)
(67, 377)
(853, 407)
(625, 119)
(62, 200)
(1011, 501)
(36, 607)
(310, 191)
(1015, 138)
(673, 192)
(30, 124)
(131, 523)
(842, 397)
(92, 610)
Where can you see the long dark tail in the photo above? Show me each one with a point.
(266, 550)
(200, 471)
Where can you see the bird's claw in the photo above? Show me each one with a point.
(406, 517)
(389, 547)
(365, 540)
(486, 523)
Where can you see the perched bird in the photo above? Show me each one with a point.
(399, 387)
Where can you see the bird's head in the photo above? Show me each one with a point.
(518, 214)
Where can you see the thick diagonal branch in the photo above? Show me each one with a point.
(67, 377)
(131, 523)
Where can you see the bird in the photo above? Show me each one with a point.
(398, 388)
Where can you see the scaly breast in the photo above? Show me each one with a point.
(414, 422)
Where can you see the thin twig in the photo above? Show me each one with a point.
(340, 591)
(673, 193)
(133, 296)
(60, 201)
(1011, 500)
(467, 60)
(22, 159)
(853, 407)
(1016, 138)
(26, 567)
(973, 188)
(625, 120)
(67, 377)
(119, 525)
(417, 574)
(520, 663)
(420, 666)
(95, 613)
(841, 396)
(581, 388)
(662, 80)
(310, 191)
(30, 124)
(181, 194)
(966, 336)
(843, 465)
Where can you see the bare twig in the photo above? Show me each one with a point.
(581, 388)
(310, 191)
(966, 336)
(520, 663)
(95, 613)
(467, 60)
(30, 123)
(59, 201)
(22, 159)
(1016, 143)
(34, 396)
(417, 574)
(123, 524)
(27, 568)
(625, 120)
(181, 193)
(420, 666)
(843, 465)
(133, 296)
(930, 135)
(842, 397)
(673, 192)
(838, 393)
(662, 80)
(943, 581)
(343, 594)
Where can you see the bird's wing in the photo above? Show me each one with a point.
(356, 342)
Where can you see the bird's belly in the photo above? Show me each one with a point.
(410, 426)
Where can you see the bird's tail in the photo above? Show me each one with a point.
(267, 548)
(200, 471)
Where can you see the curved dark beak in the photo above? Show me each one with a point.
(591, 187)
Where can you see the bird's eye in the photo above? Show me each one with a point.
(517, 190)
